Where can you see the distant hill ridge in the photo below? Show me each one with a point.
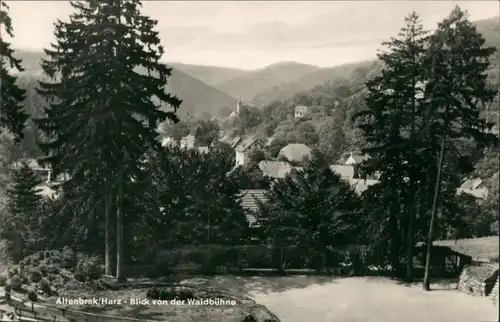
(198, 98)
(215, 90)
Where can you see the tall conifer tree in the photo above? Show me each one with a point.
(393, 119)
(12, 115)
(107, 98)
(457, 89)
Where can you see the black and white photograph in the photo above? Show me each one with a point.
(249, 161)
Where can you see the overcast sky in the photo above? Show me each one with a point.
(254, 34)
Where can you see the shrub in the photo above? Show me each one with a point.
(89, 267)
(16, 282)
(68, 258)
(44, 285)
(32, 295)
(170, 293)
(255, 256)
(249, 318)
(35, 275)
(44, 269)
(53, 269)
(13, 271)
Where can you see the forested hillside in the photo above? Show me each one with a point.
(357, 72)
(199, 99)
(211, 75)
(251, 83)
(338, 97)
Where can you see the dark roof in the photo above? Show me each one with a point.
(480, 249)
(248, 201)
(246, 143)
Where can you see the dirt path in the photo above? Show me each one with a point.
(376, 300)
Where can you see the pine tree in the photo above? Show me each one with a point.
(106, 92)
(24, 203)
(457, 61)
(312, 209)
(200, 202)
(12, 115)
(392, 122)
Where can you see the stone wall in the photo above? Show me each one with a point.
(477, 280)
(494, 292)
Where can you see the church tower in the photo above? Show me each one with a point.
(238, 107)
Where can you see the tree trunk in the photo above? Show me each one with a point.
(109, 251)
(426, 284)
(394, 240)
(410, 244)
(119, 232)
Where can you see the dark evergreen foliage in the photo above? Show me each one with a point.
(312, 208)
(12, 115)
(24, 213)
(200, 203)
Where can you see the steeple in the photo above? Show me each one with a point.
(238, 106)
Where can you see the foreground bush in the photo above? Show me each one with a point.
(52, 272)
(170, 293)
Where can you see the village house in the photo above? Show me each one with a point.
(355, 158)
(249, 201)
(346, 172)
(48, 186)
(185, 142)
(234, 114)
(301, 111)
(361, 185)
(474, 187)
(188, 141)
(243, 148)
(295, 153)
(42, 173)
(275, 169)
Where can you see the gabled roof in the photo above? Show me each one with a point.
(44, 190)
(168, 141)
(295, 152)
(361, 185)
(203, 149)
(480, 249)
(249, 201)
(475, 188)
(269, 141)
(471, 184)
(345, 171)
(231, 117)
(301, 108)
(246, 144)
(235, 141)
(357, 158)
(188, 141)
(275, 169)
(32, 163)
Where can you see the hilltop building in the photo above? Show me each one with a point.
(301, 111)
